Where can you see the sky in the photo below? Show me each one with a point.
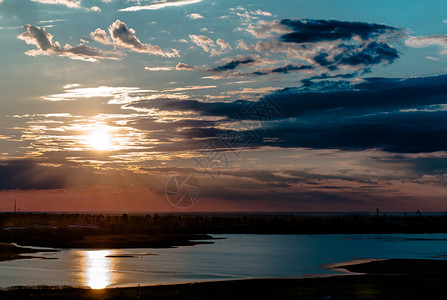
(199, 105)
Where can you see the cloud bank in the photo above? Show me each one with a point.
(43, 40)
(334, 46)
(395, 115)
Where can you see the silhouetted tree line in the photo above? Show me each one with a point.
(45, 226)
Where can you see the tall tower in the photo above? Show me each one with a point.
(15, 205)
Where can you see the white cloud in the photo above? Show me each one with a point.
(51, 21)
(154, 69)
(43, 40)
(425, 41)
(202, 41)
(264, 29)
(185, 67)
(67, 3)
(71, 93)
(261, 13)
(71, 85)
(101, 36)
(223, 45)
(248, 16)
(208, 45)
(94, 8)
(429, 40)
(204, 29)
(161, 4)
(124, 37)
(195, 16)
(191, 88)
(215, 77)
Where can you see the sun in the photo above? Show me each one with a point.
(100, 139)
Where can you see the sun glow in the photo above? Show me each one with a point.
(100, 139)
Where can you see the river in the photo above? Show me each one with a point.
(233, 257)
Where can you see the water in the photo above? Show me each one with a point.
(236, 257)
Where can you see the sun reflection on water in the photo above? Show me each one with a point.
(98, 269)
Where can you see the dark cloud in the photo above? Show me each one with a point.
(164, 131)
(311, 31)
(410, 167)
(210, 108)
(234, 64)
(394, 132)
(327, 98)
(330, 45)
(28, 175)
(288, 68)
(356, 55)
(309, 82)
(373, 53)
(373, 95)
(256, 60)
(389, 114)
(284, 70)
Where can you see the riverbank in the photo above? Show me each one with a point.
(12, 252)
(387, 279)
(115, 241)
(9, 251)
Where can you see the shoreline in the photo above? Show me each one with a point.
(10, 251)
(14, 250)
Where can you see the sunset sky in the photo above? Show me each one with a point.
(304, 105)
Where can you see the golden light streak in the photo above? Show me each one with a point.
(98, 273)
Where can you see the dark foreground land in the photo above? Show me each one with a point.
(389, 279)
